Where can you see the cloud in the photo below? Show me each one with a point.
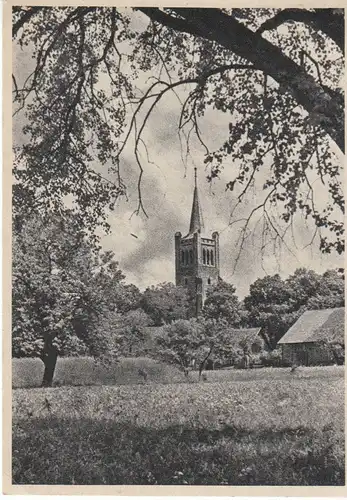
(167, 191)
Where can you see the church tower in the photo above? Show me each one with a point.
(197, 256)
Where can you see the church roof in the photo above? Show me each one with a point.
(196, 218)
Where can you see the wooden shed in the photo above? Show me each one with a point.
(309, 340)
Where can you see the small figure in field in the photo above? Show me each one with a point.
(47, 405)
(142, 372)
(246, 359)
(293, 368)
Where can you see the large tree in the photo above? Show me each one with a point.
(274, 73)
(178, 344)
(269, 306)
(190, 344)
(165, 303)
(62, 294)
(133, 327)
(222, 303)
(127, 298)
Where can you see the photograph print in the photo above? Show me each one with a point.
(177, 246)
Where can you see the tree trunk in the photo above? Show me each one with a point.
(204, 361)
(201, 369)
(50, 360)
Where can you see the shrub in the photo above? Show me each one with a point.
(338, 353)
(238, 361)
(272, 358)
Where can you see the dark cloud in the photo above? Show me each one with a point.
(164, 220)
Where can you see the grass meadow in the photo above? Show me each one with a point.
(85, 371)
(240, 427)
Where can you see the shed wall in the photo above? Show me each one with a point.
(307, 353)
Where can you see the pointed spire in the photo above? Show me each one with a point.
(196, 219)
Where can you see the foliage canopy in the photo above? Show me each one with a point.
(274, 74)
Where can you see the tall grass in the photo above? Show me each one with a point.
(28, 372)
(254, 432)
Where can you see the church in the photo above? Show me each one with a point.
(197, 256)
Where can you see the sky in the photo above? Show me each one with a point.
(167, 191)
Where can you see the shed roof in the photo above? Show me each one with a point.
(316, 325)
(243, 334)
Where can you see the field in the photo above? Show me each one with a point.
(255, 427)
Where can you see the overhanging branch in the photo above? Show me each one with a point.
(215, 25)
(321, 19)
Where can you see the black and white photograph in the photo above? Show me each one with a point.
(177, 221)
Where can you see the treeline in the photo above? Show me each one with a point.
(273, 303)
(69, 298)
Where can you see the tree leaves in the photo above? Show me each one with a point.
(222, 304)
(62, 289)
(165, 303)
(275, 303)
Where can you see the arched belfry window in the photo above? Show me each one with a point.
(182, 257)
(187, 257)
(191, 256)
(208, 257)
(209, 281)
(212, 258)
(204, 256)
